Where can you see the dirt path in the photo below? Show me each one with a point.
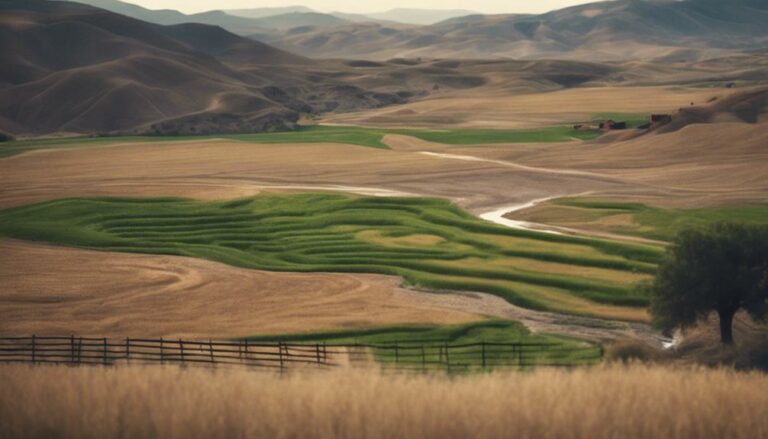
(508, 164)
(587, 328)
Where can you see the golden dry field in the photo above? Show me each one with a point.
(612, 401)
(58, 290)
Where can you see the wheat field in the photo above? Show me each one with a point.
(615, 401)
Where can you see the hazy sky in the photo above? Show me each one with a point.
(486, 6)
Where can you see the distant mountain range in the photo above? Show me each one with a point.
(419, 16)
(614, 30)
(398, 15)
(268, 12)
(256, 20)
(660, 30)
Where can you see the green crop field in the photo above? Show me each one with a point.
(429, 242)
(480, 137)
(350, 135)
(409, 340)
(638, 219)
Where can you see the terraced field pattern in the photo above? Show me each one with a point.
(430, 243)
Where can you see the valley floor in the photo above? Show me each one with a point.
(715, 164)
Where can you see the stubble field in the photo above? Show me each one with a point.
(589, 403)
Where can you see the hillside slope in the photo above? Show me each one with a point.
(68, 67)
(73, 68)
(239, 21)
(685, 30)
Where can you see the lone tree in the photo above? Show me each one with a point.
(723, 268)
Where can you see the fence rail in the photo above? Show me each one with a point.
(281, 355)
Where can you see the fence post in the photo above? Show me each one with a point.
(325, 353)
(127, 349)
(72, 348)
(181, 349)
(162, 351)
(447, 357)
(104, 360)
(210, 348)
(80, 350)
(318, 353)
(246, 355)
(34, 346)
(482, 344)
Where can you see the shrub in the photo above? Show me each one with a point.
(5, 137)
(625, 351)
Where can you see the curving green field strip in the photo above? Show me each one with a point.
(429, 242)
(349, 135)
(557, 350)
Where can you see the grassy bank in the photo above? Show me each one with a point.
(351, 135)
(638, 219)
(642, 402)
(429, 242)
(464, 354)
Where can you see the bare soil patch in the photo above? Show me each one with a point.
(57, 290)
(489, 108)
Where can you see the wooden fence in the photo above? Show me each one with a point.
(280, 355)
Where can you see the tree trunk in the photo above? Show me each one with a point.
(726, 326)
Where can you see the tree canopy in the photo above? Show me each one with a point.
(722, 268)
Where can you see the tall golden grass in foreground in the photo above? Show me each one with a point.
(169, 402)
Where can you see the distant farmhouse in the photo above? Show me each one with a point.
(656, 120)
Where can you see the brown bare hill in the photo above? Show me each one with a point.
(230, 47)
(687, 30)
(749, 107)
(74, 68)
(243, 22)
(68, 67)
(232, 23)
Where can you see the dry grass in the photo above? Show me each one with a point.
(167, 402)
(46, 290)
(499, 109)
(229, 169)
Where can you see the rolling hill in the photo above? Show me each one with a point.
(267, 12)
(240, 21)
(68, 67)
(419, 16)
(619, 30)
(687, 30)
(749, 106)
